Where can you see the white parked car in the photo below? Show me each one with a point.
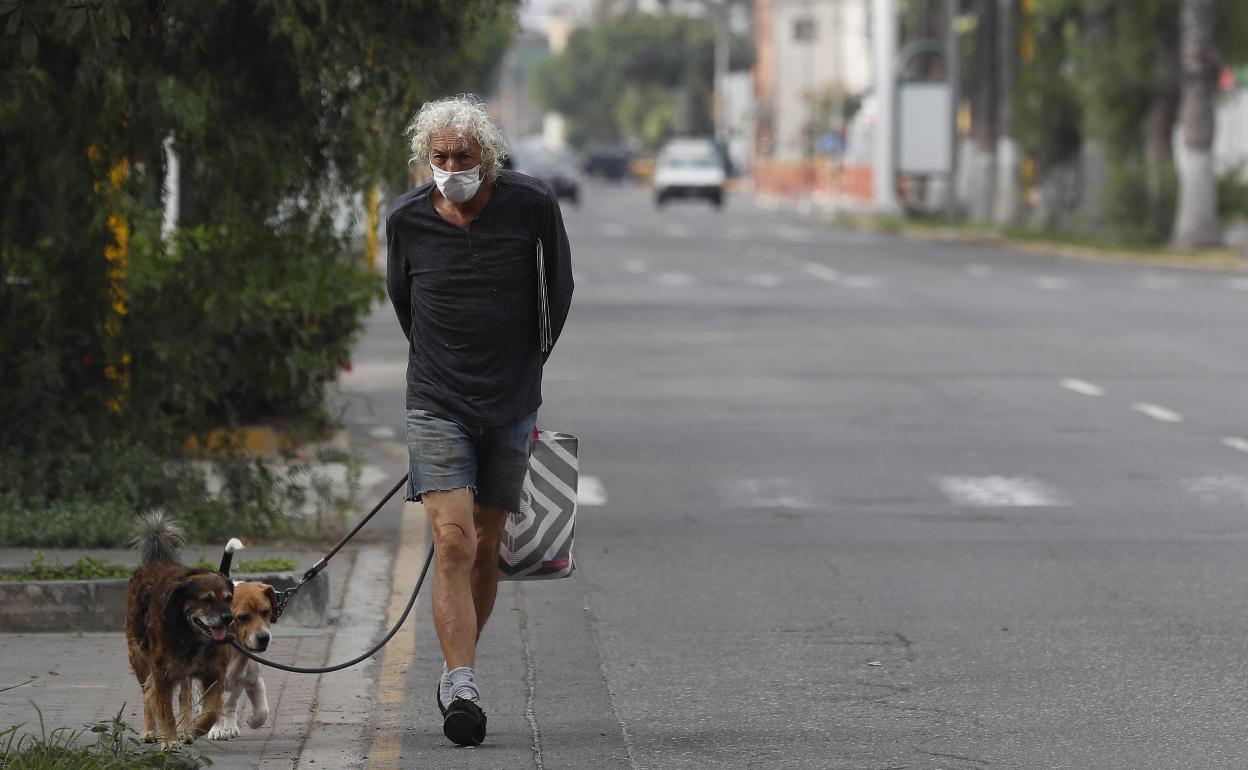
(689, 168)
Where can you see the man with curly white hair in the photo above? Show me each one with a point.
(480, 276)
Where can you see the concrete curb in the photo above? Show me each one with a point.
(1214, 259)
(50, 606)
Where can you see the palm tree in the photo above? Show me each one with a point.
(1197, 222)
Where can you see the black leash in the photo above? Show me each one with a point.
(315, 570)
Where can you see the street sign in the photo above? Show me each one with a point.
(924, 127)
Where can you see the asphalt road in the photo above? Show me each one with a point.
(865, 502)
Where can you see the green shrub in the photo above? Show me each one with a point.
(1233, 195)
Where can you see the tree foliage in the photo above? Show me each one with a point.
(279, 111)
(640, 77)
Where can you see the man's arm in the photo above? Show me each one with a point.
(398, 283)
(558, 258)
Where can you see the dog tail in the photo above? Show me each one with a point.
(157, 538)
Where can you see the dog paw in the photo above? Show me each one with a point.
(257, 719)
(147, 736)
(224, 731)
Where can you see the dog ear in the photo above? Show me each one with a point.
(174, 596)
(271, 593)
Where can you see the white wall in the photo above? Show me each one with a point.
(837, 56)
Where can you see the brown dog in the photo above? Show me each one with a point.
(254, 605)
(176, 621)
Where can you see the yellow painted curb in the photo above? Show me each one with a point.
(387, 745)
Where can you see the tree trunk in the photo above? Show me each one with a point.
(1162, 115)
(1197, 223)
(984, 112)
(1008, 198)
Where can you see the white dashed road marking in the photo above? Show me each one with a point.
(1157, 412)
(1083, 386)
(763, 280)
(1238, 284)
(589, 491)
(674, 280)
(862, 281)
(999, 492)
(635, 266)
(1052, 283)
(677, 231)
(978, 271)
(795, 235)
(1240, 444)
(1157, 282)
(381, 432)
(821, 271)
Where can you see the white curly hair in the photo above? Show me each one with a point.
(468, 116)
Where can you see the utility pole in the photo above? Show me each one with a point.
(719, 15)
(953, 71)
(884, 162)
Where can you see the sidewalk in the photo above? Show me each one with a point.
(77, 679)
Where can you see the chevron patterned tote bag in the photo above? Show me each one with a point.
(537, 543)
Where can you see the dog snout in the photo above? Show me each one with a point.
(226, 618)
(262, 640)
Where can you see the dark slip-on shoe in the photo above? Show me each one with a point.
(464, 724)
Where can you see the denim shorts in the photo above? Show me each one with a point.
(489, 460)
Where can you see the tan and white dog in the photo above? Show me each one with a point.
(253, 608)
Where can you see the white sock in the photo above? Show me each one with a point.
(444, 686)
(463, 684)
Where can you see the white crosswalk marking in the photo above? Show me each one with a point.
(1218, 490)
(766, 493)
(999, 492)
(1083, 386)
(1156, 412)
(589, 491)
(1240, 444)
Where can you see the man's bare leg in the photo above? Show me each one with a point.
(454, 550)
(490, 523)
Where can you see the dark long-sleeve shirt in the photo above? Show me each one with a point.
(468, 299)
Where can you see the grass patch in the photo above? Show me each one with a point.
(86, 568)
(115, 747)
(256, 566)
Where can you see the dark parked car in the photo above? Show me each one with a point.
(557, 168)
(609, 161)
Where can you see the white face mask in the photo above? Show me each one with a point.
(457, 186)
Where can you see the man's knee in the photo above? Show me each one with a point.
(456, 547)
(454, 536)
